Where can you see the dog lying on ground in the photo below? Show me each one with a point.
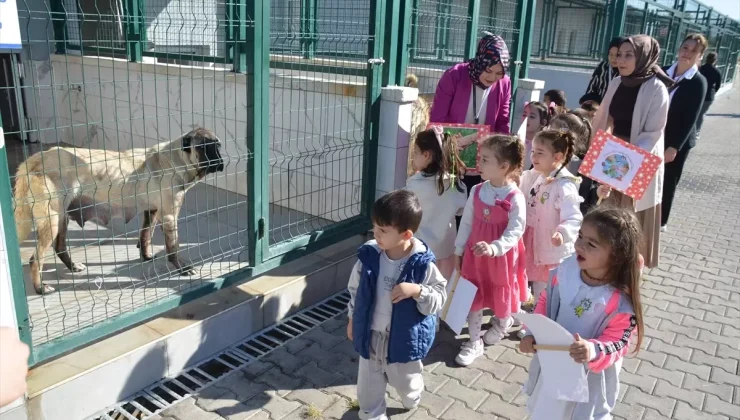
(81, 184)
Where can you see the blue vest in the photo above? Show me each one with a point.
(411, 332)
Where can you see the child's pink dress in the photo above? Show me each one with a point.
(501, 280)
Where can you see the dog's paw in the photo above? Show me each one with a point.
(45, 289)
(187, 270)
(77, 267)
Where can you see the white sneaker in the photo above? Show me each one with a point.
(521, 333)
(498, 331)
(469, 352)
(664, 228)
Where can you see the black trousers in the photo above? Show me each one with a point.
(470, 182)
(671, 179)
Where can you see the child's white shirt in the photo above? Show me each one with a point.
(517, 218)
(437, 226)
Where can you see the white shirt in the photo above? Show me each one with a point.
(390, 271)
(437, 226)
(514, 229)
(688, 74)
(481, 101)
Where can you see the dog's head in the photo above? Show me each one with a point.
(203, 149)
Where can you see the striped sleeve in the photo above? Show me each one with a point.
(614, 343)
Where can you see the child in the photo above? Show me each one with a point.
(438, 185)
(395, 289)
(590, 107)
(595, 295)
(581, 128)
(553, 206)
(537, 116)
(556, 97)
(489, 243)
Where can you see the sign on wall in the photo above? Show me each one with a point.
(10, 30)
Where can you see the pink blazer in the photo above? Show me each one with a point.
(452, 98)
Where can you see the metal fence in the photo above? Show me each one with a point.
(576, 32)
(296, 138)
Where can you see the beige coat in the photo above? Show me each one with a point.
(648, 124)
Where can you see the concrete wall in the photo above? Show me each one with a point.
(316, 121)
(572, 81)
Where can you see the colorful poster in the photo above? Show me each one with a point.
(468, 136)
(620, 165)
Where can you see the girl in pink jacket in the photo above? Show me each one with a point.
(553, 206)
(595, 295)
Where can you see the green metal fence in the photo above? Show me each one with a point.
(576, 32)
(297, 122)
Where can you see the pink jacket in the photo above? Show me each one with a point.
(554, 208)
(614, 342)
(452, 99)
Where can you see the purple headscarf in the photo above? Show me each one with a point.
(491, 51)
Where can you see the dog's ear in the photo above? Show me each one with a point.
(187, 142)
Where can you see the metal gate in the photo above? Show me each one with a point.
(297, 117)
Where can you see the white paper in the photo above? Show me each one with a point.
(563, 378)
(522, 131)
(10, 30)
(459, 303)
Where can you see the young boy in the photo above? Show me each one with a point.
(395, 290)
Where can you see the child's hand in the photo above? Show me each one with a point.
(349, 330)
(580, 351)
(527, 345)
(603, 191)
(404, 291)
(483, 249)
(557, 239)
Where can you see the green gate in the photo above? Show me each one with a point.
(297, 117)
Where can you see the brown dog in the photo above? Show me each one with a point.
(81, 184)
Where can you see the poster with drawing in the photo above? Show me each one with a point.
(468, 136)
(620, 165)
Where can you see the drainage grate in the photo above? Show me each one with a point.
(168, 392)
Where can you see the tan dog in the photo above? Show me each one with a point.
(81, 184)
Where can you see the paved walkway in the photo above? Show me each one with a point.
(687, 370)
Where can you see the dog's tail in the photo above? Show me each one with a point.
(35, 199)
(412, 80)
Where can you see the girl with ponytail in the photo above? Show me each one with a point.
(437, 183)
(553, 205)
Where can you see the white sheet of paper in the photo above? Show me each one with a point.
(522, 131)
(563, 378)
(462, 300)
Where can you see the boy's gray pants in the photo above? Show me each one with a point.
(376, 373)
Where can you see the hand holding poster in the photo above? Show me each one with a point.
(620, 165)
(468, 136)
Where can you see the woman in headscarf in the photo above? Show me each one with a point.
(603, 74)
(476, 92)
(635, 109)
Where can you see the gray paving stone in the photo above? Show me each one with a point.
(280, 382)
(645, 383)
(628, 411)
(674, 377)
(723, 391)
(458, 411)
(701, 358)
(432, 382)
(708, 347)
(502, 409)
(465, 375)
(506, 390)
(673, 363)
(435, 404)
(324, 339)
(693, 398)
(663, 405)
(286, 361)
(188, 410)
(685, 412)
(716, 406)
(313, 397)
(297, 344)
(658, 346)
(723, 377)
(316, 375)
(338, 410)
(472, 398)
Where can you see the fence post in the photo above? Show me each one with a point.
(404, 40)
(59, 22)
(238, 47)
(471, 31)
(135, 29)
(13, 251)
(393, 44)
(254, 55)
(309, 28)
(414, 32)
(526, 37)
(375, 51)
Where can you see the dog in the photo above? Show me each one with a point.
(81, 184)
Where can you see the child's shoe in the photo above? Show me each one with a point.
(521, 333)
(470, 351)
(498, 331)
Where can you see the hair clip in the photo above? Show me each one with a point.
(438, 133)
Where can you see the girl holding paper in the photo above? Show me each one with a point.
(635, 109)
(489, 245)
(595, 295)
